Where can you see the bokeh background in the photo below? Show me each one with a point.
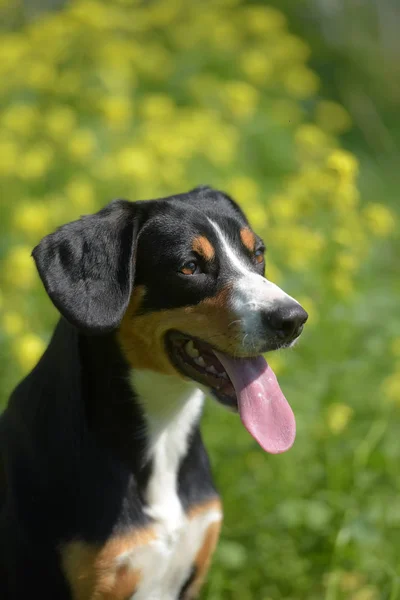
(293, 108)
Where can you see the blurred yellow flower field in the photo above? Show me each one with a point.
(144, 99)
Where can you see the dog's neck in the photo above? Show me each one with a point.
(109, 437)
(172, 409)
(147, 417)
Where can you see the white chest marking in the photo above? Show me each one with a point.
(165, 564)
(171, 407)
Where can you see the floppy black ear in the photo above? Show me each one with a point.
(87, 266)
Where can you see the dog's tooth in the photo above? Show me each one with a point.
(212, 370)
(191, 350)
(224, 375)
(200, 361)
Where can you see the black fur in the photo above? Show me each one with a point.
(87, 266)
(72, 439)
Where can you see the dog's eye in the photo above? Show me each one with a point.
(259, 255)
(189, 268)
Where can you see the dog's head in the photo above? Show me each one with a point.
(181, 281)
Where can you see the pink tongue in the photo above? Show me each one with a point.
(263, 408)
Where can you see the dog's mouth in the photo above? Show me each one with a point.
(247, 385)
(196, 359)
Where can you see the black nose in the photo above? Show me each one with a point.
(287, 320)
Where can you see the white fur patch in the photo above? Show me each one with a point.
(166, 563)
(172, 407)
(251, 295)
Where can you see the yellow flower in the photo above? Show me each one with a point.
(32, 218)
(240, 98)
(343, 236)
(223, 35)
(344, 163)
(69, 82)
(82, 143)
(244, 189)
(58, 209)
(20, 118)
(117, 110)
(284, 208)
(105, 168)
(203, 87)
(222, 149)
(291, 49)
(136, 162)
(338, 417)
(347, 262)
(13, 323)
(391, 387)
(92, 14)
(60, 121)
(300, 82)
(35, 163)
(28, 349)
(262, 20)
(379, 218)
(257, 214)
(19, 268)
(332, 117)
(9, 157)
(172, 173)
(312, 140)
(257, 66)
(342, 283)
(155, 61)
(346, 197)
(163, 13)
(157, 107)
(40, 75)
(80, 193)
(304, 247)
(13, 49)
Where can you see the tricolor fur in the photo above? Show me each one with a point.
(105, 485)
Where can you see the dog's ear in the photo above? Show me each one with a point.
(87, 266)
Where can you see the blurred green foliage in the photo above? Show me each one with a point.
(142, 99)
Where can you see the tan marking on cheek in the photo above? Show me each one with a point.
(141, 337)
(93, 572)
(136, 299)
(248, 239)
(203, 246)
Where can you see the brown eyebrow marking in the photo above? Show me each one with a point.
(248, 238)
(203, 246)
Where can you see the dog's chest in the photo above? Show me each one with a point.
(147, 564)
(174, 551)
(168, 561)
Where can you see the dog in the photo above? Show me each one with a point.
(106, 491)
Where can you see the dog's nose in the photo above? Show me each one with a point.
(287, 320)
